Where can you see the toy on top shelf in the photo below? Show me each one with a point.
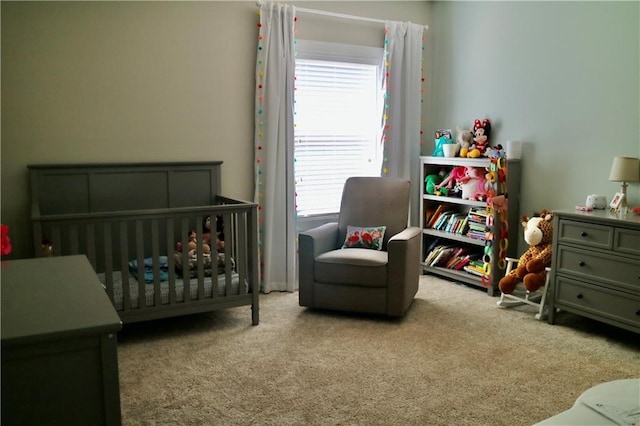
(442, 137)
(464, 139)
(538, 233)
(496, 152)
(481, 134)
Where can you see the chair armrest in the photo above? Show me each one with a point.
(320, 239)
(406, 235)
(404, 269)
(312, 243)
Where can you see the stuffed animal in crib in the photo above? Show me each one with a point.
(474, 184)
(219, 232)
(538, 233)
(481, 134)
(192, 244)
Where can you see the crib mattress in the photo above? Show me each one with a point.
(118, 297)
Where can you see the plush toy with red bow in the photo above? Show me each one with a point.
(481, 134)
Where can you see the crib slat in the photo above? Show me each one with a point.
(155, 256)
(108, 259)
(171, 260)
(91, 244)
(142, 296)
(57, 241)
(124, 267)
(73, 239)
(186, 292)
(229, 250)
(215, 291)
(200, 257)
(37, 238)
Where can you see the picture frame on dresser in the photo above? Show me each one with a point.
(616, 200)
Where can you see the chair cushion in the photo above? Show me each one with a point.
(352, 266)
(369, 237)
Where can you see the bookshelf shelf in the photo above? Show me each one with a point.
(452, 200)
(462, 276)
(452, 236)
(459, 248)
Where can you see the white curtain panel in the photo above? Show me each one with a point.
(403, 50)
(274, 192)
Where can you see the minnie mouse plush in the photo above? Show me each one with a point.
(481, 133)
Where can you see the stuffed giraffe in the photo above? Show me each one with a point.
(538, 233)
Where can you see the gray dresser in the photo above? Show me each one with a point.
(59, 351)
(596, 267)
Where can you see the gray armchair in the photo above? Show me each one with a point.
(362, 279)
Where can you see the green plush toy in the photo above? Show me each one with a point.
(431, 181)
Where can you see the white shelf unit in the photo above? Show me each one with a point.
(432, 165)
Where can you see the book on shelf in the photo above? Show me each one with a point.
(473, 271)
(451, 257)
(476, 223)
(428, 213)
(476, 235)
(459, 260)
(448, 221)
(462, 226)
(436, 255)
(437, 214)
(475, 267)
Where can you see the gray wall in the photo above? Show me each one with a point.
(162, 81)
(143, 81)
(562, 77)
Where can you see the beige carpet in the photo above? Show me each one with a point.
(455, 359)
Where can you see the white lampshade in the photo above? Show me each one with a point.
(625, 169)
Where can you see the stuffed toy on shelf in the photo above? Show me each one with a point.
(432, 181)
(452, 179)
(481, 135)
(464, 139)
(531, 270)
(473, 184)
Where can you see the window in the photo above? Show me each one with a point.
(338, 121)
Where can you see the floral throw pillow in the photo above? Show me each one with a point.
(369, 237)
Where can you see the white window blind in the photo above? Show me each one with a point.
(337, 130)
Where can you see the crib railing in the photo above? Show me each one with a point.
(111, 240)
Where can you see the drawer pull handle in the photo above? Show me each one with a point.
(581, 263)
(583, 234)
(579, 296)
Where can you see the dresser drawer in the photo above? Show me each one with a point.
(585, 234)
(627, 241)
(599, 302)
(615, 271)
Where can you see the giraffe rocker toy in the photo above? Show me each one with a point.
(538, 233)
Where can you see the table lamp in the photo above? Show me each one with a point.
(624, 169)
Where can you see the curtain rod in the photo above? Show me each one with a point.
(338, 15)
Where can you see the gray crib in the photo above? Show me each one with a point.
(128, 219)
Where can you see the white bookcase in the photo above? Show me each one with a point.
(432, 165)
